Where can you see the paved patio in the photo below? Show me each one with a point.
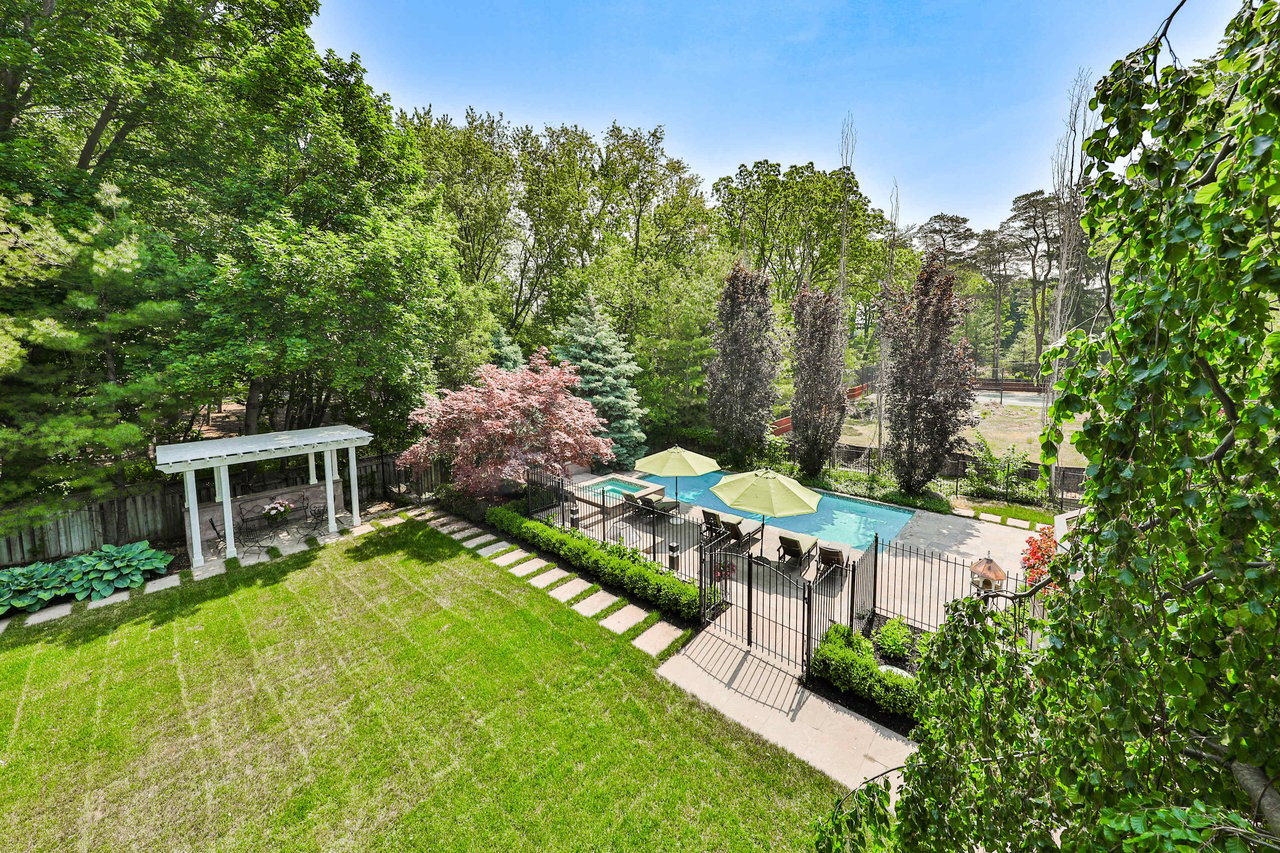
(770, 702)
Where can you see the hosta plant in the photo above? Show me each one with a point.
(92, 576)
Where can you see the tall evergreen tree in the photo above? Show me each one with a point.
(741, 377)
(930, 376)
(506, 353)
(606, 368)
(817, 410)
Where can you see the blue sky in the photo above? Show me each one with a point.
(961, 102)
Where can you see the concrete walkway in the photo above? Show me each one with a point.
(770, 702)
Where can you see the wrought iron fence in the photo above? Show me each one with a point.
(608, 515)
(966, 475)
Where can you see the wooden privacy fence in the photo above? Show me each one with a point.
(155, 511)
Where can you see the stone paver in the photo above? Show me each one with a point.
(4, 623)
(362, 529)
(528, 567)
(444, 521)
(454, 526)
(466, 532)
(967, 513)
(569, 589)
(549, 577)
(987, 516)
(624, 619)
(595, 602)
(510, 557)
(391, 521)
(167, 582)
(49, 614)
(847, 747)
(490, 550)
(657, 637)
(208, 570)
(113, 598)
(1018, 522)
(482, 539)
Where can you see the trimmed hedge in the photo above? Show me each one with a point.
(847, 660)
(640, 578)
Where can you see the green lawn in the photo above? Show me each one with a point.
(393, 692)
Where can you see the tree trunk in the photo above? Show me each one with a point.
(95, 133)
(253, 407)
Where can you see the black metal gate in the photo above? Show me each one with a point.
(764, 604)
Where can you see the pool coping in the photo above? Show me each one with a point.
(911, 512)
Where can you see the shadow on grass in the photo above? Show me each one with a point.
(414, 539)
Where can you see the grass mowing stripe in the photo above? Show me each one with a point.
(527, 727)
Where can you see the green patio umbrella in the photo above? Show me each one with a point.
(677, 462)
(767, 494)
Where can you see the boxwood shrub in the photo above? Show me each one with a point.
(616, 566)
(847, 660)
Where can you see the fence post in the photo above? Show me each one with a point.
(875, 577)
(808, 625)
(751, 563)
(573, 515)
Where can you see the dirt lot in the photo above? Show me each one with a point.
(1002, 426)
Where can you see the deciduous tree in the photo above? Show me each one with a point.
(818, 407)
(493, 431)
(928, 390)
(741, 378)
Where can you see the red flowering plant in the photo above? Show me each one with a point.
(508, 421)
(1038, 556)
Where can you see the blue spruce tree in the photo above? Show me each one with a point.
(606, 368)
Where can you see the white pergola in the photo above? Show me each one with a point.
(192, 456)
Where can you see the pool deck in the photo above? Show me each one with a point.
(965, 538)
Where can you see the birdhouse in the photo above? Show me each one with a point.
(987, 576)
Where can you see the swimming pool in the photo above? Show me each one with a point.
(838, 519)
(614, 484)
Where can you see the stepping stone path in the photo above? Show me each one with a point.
(482, 539)
(656, 638)
(528, 567)
(168, 582)
(208, 571)
(967, 513)
(547, 578)
(490, 550)
(49, 614)
(510, 557)
(568, 590)
(362, 529)
(461, 533)
(390, 522)
(986, 516)
(595, 602)
(625, 619)
(1019, 522)
(113, 598)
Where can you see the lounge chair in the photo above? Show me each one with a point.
(831, 557)
(741, 532)
(659, 504)
(712, 526)
(796, 548)
(630, 501)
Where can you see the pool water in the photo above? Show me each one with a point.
(618, 487)
(838, 518)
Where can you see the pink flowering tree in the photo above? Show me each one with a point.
(493, 431)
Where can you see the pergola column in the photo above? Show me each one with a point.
(330, 463)
(224, 485)
(355, 487)
(193, 518)
(311, 469)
